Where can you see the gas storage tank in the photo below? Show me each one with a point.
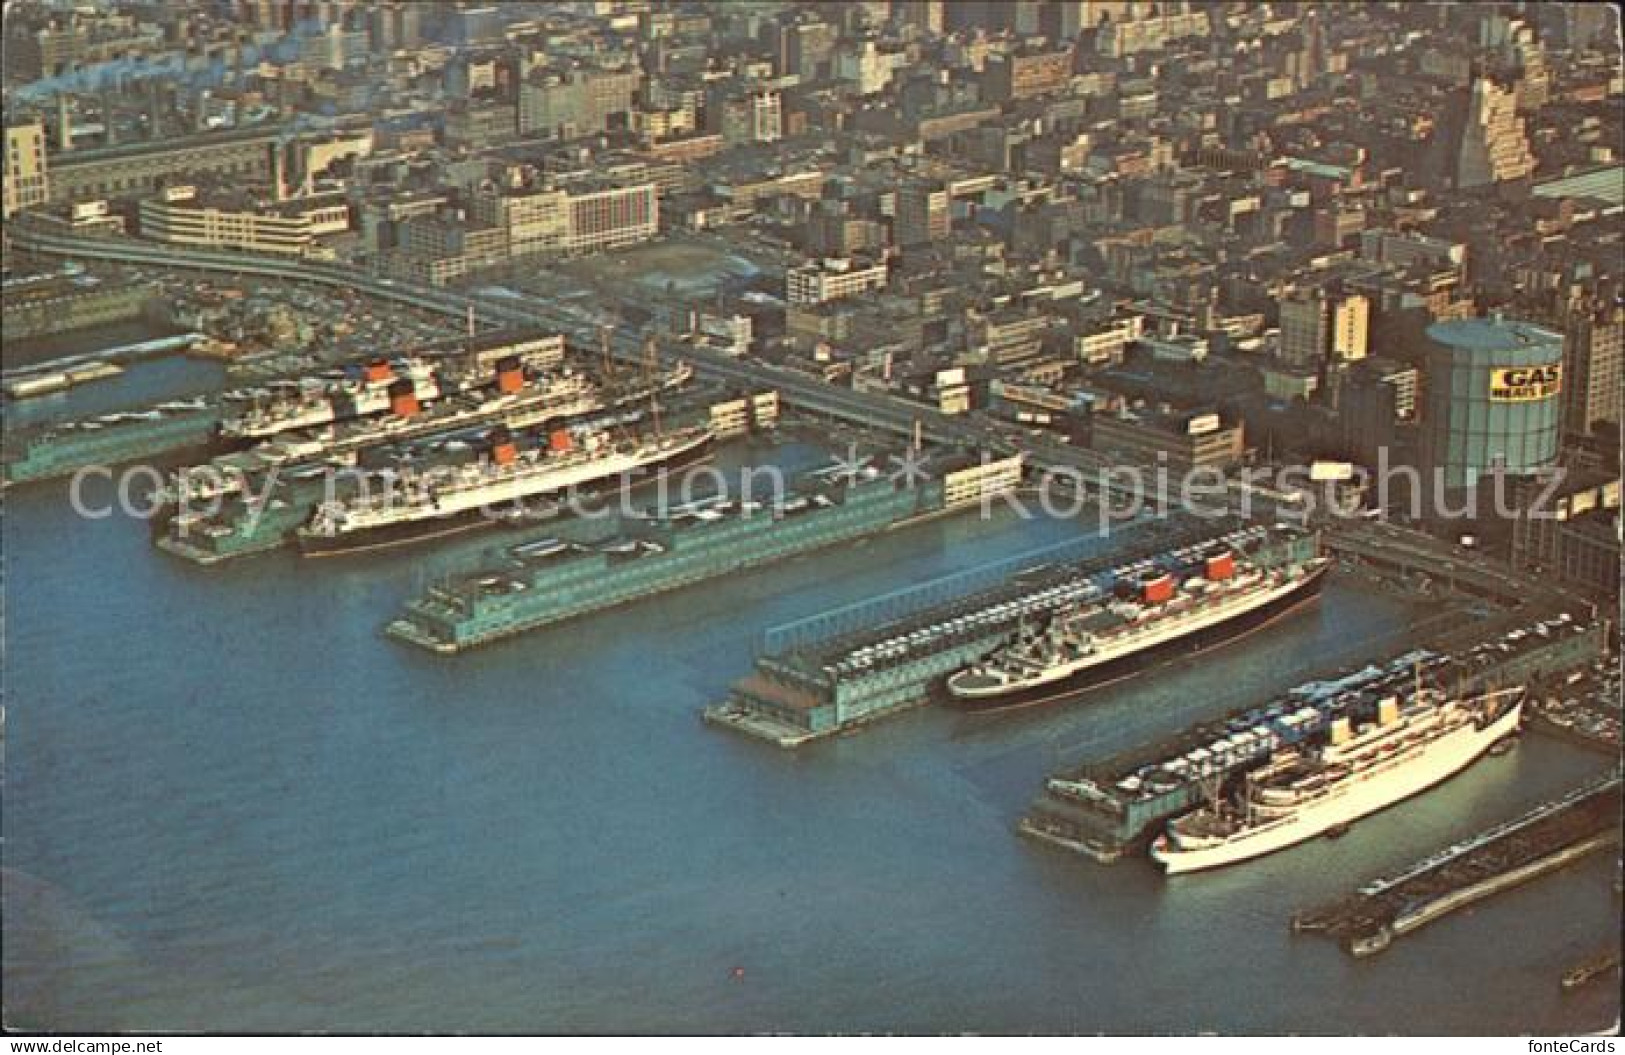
(1494, 399)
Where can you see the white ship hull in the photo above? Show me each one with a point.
(504, 490)
(1355, 798)
(517, 411)
(472, 505)
(373, 400)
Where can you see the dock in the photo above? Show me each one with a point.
(47, 452)
(119, 355)
(841, 670)
(1110, 808)
(613, 561)
(1544, 839)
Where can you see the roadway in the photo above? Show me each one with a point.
(584, 326)
(1413, 551)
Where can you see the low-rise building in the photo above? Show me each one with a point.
(1184, 441)
(183, 216)
(1572, 533)
(746, 413)
(967, 479)
(832, 279)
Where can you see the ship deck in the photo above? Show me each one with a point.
(941, 625)
(1115, 799)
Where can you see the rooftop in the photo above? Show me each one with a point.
(1491, 334)
(1606, 184)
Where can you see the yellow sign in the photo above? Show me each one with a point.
(1523, 384)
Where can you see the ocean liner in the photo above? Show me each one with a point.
(336, 396)
(1307, 791)
(516, 401)
(415, 506)
(1143, 618)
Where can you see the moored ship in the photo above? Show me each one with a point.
(514, 399)
(1306, 791)
(344, 394)
(503, 486)
(1173, 606)
(518, 403)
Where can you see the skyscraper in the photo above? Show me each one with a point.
(1494, 146)
(1319, 325)
(923, 14)
(1593, 346)
(26, 182)
(806, 48)
(923, 213)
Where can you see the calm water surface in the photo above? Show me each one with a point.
(230, 804)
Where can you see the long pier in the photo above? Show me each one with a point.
(1544, 839)
(1108, 808)
(848, 667)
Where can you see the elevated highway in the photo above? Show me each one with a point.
(1453, 570)
(584, 327)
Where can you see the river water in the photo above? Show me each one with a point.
(230, 804)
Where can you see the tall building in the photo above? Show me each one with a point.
(613, 217)
(471, 25)
(537, 221)
(1404, 249)
(1576, 536)
(1024, 17)
(26, 183)
(1494, 145)
(806, 49)
(577, 102)
(1513, 42)
(394, 24)
(757, 117)
(1064, 19)
(1376, 400)
(1351, 322)
(32, 53)
(1592, 351)
(922, 14)
(862, 64)
(1028, 73)
(1141, 30)
(1309, 61)
(519, 223)
(924, 213)
(1320, 325)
